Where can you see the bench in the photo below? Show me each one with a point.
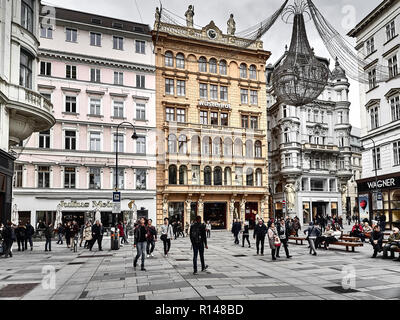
(297, 239)
(350, 239)
(346, 244)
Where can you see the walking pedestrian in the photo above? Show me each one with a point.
(21, 233)
(140, 243)
(30, 231)
(151, 238)
(187, 226)
(260, 231)
(273, 239)
(48, 233)
(97, 235)
(376, 240)
(296, 225)
(283, 233)
(60, 232)
(166, 235)
(208, 229)
(8, 235)
(74, 231)
(246, 233)
(121, 232)
(198, 238)
(87, 235)
(67, 230)
(125, 228)
(236, 227)
(312, 233)
(81, 231)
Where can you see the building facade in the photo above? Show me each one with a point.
(377, 43)
(211, 148)
(310, 152)
(22, 109)
(98, 72)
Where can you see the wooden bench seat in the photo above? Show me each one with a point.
(297, 239)
(350, 239)
(346, 244)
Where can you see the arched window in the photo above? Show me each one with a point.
(182, 144)
(259, 178)
(195, 145)
(228, 176)
(258, 149)
(249, 149)
(172, 171)
(243, 70)
(213, 65)
(203, 64)
(169, 59)
(206, 146)
(228, 147)
(238, 148)
(217, 147)
(253, 72)
(171, 143)
(222, 67)
(207, 176)
(180, 61)
(217, 176)
(249, 177)
(183, 175)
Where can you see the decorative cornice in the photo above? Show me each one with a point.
(369, 65)
(70, 89)
(102, 93)
(119, 95)
(392, 92)
(140, 98)
(391, 50)
(372, 102)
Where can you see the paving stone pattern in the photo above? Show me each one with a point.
(234, 273)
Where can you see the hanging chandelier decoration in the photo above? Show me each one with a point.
(300, 77)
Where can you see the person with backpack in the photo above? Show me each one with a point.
(246, 233)
(151, 238)
(21, 233)
(167, 234)
(8, 235)
(260, 231)
(140, 243)
(30, 231)
(198, 238)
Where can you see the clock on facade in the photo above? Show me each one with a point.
(212, 34)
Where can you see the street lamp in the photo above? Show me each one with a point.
(376, 173)
(134, 137)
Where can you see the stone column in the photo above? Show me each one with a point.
(200, 208)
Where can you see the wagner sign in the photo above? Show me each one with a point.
(371, 185)
(86, 204)
(215, 105)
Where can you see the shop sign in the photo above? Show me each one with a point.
(363, 203)
(392, 182)
(85, 205)
(215, 105)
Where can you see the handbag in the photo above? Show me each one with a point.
(277, 242)
(163, 237)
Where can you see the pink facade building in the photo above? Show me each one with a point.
(98, 72)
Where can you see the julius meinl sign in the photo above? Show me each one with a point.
(86, 205)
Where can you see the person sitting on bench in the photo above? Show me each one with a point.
(358, 231)
(325, 238)
(376, 240)
(392, 244)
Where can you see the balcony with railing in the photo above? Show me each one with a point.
(29, 111)
(320, 147)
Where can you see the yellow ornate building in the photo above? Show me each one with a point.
(211, 116)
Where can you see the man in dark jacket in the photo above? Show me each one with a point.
(28, 236)
(21, 233)
(376, 240)
(97, 235)
(198, 237)
(48, 233)
(8, 235)
(236, 227)
(283, 233)
(382, 222)
(140, 235)
(260, 231)
(246, 233)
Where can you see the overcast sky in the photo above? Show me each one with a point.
(343, 14)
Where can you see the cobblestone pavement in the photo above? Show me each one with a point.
(234, 273)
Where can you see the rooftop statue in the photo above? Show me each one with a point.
(231, 26)
(189, 16)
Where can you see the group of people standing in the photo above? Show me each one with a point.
(21, 233)
(277, 232)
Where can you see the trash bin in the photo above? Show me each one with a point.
(114, 239)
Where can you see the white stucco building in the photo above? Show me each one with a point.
(310, 151)
(22, 109)
(378, 44)
(98, 72)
